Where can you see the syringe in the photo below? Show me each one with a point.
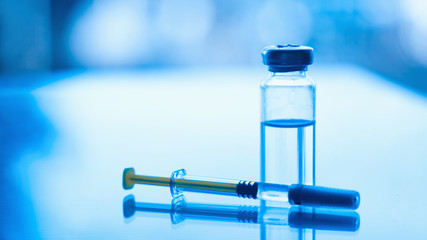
(295, 194)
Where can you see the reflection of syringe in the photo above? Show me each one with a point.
(295, 217)
(295, 194)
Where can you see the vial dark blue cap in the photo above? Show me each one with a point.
(286, 58)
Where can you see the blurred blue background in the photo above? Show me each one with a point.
(387, 37)
(88, 88)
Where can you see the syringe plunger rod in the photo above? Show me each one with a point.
(295, 194)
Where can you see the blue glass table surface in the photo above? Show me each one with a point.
(65, 144)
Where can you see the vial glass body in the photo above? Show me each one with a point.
(288, 128)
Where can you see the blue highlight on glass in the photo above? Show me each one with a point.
(294, 217)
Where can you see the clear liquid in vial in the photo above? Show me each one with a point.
(287, 151)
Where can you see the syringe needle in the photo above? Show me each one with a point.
(295, 194)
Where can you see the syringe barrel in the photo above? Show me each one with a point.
(296, 194)
(273, 192)
(180, 182)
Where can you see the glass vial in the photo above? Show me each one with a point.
(288, 116)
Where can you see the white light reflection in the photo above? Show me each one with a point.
(111, 33)
(380, 13)
(284, 22)
(185, 21)
(413, 32)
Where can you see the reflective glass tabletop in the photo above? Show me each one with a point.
(65, 143)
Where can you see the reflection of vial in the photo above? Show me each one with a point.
(287, 116)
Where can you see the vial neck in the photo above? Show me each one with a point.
(274, 68)
(301, 73)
